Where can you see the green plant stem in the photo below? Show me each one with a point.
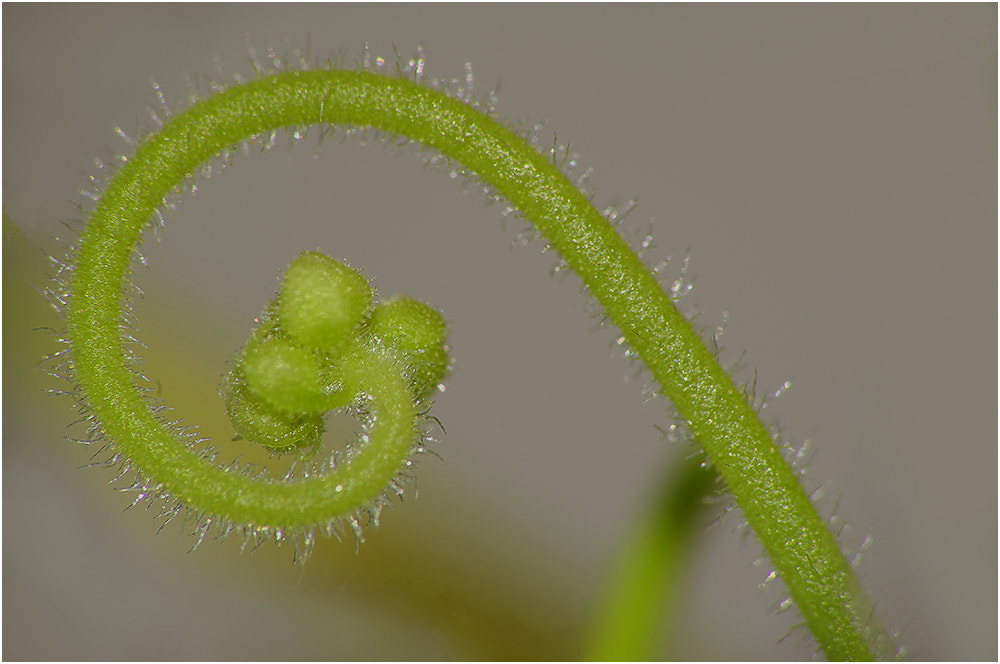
(646, 584)
(803, 551)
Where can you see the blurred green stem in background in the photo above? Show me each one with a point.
(647, 584)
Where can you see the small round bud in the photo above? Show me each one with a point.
(258, 424)
(417, 334)
(322, 302)
(285, 377)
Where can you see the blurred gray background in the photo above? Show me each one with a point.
(832, 170)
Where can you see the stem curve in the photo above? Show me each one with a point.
(800, 546)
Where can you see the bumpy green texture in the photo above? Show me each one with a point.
(307, 357)
(804, 552)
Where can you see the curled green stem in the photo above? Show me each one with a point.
(802, 549)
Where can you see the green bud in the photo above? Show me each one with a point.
(322, 302)
(417, 334)
(285, 377)
(256, 423)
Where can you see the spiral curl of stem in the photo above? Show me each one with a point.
(734, 440)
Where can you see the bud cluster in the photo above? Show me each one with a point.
(314, 346)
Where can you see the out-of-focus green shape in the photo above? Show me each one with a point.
(647, 582)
